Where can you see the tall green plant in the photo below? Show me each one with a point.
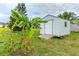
(21, 8)
(30, 27)
(21, 20)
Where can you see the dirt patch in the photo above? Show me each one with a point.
(46, 36)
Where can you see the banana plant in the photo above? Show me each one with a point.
(36, 22)
(21, 21)
(27, 25)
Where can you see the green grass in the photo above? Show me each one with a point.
(66, 46)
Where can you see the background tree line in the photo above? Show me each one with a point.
(71, 16)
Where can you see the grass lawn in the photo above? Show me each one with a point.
(66, 46)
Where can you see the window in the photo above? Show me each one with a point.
(65, 24)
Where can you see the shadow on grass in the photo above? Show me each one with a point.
(61, 37)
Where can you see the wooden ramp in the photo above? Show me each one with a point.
(46, 36)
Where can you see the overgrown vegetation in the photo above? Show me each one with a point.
(22, 37)
(28, 29)
(67, 46)
(21, 8)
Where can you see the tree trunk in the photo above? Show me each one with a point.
(23, 29)
(28, 43)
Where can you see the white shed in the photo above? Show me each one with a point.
(55, 26)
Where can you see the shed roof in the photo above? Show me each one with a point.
(52, 17)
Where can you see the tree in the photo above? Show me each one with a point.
(24, 23)
(27, 25)
(20, 20)
(36, 22)
(21, 8)
(68, 16)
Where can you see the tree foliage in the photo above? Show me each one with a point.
(68, 16)
(23, 22)
(20, 20)
(21, 8)
(30, 27)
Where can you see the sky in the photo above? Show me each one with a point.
(38, 9)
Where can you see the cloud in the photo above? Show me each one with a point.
(39, 9)
(4, 18)
(1, 15)
(51, 8)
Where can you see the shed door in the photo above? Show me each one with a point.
(48, 27)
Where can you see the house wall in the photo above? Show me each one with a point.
(59, 28)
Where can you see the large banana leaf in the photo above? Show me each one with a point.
(15, 24)
(21, 20)
(20, 24)
(32, 33)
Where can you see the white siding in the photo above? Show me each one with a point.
(48, 27)
(42, 30)
(67, 29)
(59, 28)
(55, 26)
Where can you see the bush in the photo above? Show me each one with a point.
(18, 45)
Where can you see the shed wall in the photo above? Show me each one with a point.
(46, 28)
(59, 28)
